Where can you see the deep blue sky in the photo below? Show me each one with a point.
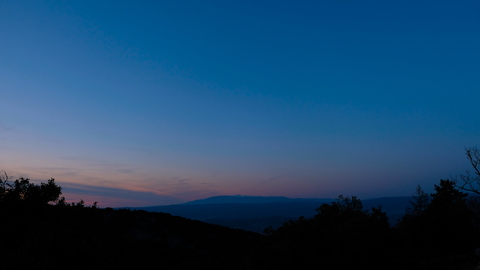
(157, 102)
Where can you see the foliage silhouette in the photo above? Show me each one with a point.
(340, 235)
(444, 227)
(44, 231)
(22, 191)
(420, 202)
(436, 232)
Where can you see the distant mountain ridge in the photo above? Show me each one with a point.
(254, 213)
(251, 199)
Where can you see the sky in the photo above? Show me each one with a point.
(138, 103)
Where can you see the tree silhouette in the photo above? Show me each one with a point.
(21, 191)
(445, 226)
(419, 204)
(342, 235)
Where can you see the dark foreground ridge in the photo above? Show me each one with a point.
(42, 231)
(88, 238)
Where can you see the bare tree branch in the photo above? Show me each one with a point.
(473, 154)
(469, 182)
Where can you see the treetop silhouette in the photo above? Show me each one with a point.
(22, 191)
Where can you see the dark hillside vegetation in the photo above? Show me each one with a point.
(439, 231)
(46, 234)
(89, 238)
(41, 231)
(340, 236)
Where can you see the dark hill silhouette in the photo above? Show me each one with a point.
(92, 238)
(252, 199)
(42, 231)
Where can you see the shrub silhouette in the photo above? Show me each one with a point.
(445, 226)
(21, 191)
(340, 235)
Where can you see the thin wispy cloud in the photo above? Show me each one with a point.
(141, 198)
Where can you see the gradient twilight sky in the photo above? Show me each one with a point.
(136, 103)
